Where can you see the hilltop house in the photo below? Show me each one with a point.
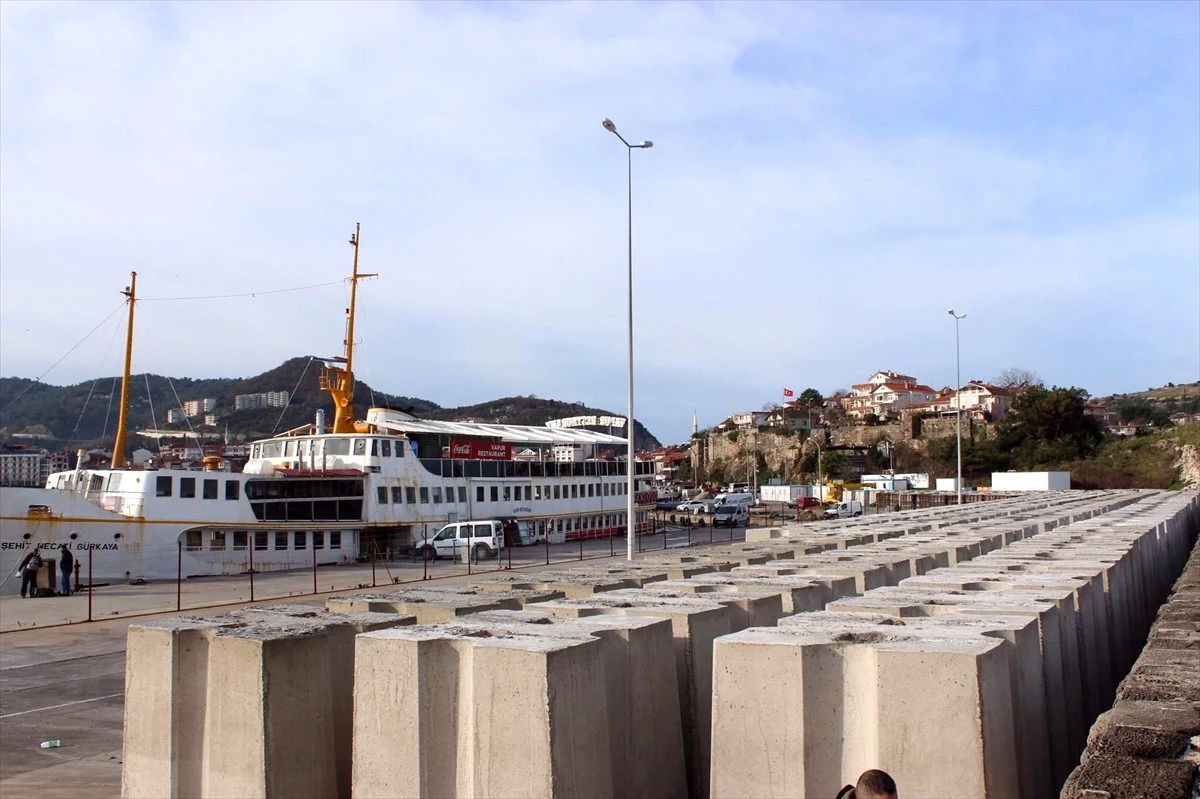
(886, 394)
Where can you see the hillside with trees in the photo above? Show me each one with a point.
(85, 414)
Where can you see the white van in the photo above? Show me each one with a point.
(844, 510)
(731, 514)
(482, 539)
(733, 498)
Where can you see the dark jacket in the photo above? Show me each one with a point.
(66, 561)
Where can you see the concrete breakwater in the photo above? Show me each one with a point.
(965, 650)
(1149, 742)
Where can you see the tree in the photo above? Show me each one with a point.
(1017, 378)
(810, 398)
(1048, 426)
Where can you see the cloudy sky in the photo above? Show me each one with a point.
(825, 181)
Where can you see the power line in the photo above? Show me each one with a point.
(243, 294)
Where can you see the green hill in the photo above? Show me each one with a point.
(86, 413)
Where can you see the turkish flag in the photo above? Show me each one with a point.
(787, 392)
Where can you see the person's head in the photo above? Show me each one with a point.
(63, 547)
(875, 784)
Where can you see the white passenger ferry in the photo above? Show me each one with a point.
(324, 496)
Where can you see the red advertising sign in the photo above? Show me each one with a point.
(481, 450)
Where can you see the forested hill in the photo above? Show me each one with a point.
(86, 413)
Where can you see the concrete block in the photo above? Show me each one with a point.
(250, 704)
(843, 701)
(695, 624)
(456, 711)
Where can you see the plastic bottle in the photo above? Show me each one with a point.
(54, 744)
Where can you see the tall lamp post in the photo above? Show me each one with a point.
(631, 462)
(957, 401)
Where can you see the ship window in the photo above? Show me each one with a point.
(385, 449)
(381, 494)
(507, 493)
(298, 540)
(318, 539)
(537, 492)
(424, 495)
(399, 449)
(210, 489)
(289, 449)
(437, 496)
(495, 493)
(335, 537)
(337, 446)
(281, 541)
(194, 539)
(232, 489)
(374, 448)
(217, 542)
(187, 486)
(272, 449)
(591, 490)
(574, 491)
(260, 540)
(162, 486)
(397, 495)
(479, 493)
(410, 495)
(462, 495)
(239, 540)
(360, 446)
(557, 489)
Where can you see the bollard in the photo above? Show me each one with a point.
(250, 561)
(78, 566)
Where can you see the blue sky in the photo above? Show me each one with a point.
(826, 180)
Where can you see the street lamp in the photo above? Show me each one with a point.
(631, 462)
(957, 400)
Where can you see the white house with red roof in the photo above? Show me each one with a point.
(885, 394)
(979, 401)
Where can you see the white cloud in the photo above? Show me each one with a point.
(825, 180)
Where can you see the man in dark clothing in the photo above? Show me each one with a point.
(66, 562)
(29, 567)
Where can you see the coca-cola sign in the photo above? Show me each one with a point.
(481, 450)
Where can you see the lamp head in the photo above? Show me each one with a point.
(646, 145)
(950, 311)
(608, 125)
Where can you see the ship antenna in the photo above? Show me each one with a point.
(118, 456)
(339, 380)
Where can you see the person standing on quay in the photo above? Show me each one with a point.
(29, 567)
(66, 563)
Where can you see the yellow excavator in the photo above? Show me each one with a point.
(833, 491)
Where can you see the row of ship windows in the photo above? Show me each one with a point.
(238, 540)
(511, 493)
(163, 487)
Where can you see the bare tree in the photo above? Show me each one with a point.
(1017, 378)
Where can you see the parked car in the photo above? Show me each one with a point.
(693, 506)
(844, 510)
(483, 539)
(733, 514)
(807, 502)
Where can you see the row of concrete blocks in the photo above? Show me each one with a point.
(498, 702)
(974, 681)
(1148, 744)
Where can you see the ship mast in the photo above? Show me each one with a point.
(118, 456)
(339, 380)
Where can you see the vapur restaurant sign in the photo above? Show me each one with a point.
(481, 450)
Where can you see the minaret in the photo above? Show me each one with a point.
(695, 423)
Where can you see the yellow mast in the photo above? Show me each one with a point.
(118, 456)
(339, 380)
